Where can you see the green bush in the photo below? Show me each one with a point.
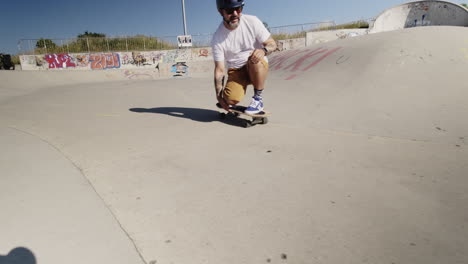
(103, 44)
(15, 59)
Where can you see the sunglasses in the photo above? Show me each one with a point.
(230, 11)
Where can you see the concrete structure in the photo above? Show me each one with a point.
(318, 37)
(155, 63)
(364, 160)
(421, 13)
(289, 44)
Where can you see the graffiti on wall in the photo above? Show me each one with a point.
(419, 6)
(180, 55)
(296, 62)
(419, 23)
(57, 61)
(138, 59)
(142, 59)
(155, 57)
(116, 60)
(104, 61)
(179, 69)
(81, 60)
(203, 53)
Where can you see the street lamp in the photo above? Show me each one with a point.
(183, 15)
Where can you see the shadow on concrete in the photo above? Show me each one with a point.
(19, 255)
(195, 114)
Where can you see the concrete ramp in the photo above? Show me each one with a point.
(364, 160)
(421, 13)
(400, 84)
(49, 208)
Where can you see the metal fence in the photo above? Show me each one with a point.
(147, 43)
(299, 28)
(107, 44)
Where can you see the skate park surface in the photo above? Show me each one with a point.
(364, 160)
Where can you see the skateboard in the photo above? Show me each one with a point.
(237, 110)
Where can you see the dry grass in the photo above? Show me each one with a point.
(357, 24)
(289, 36)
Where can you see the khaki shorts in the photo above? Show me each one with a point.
(238, 80)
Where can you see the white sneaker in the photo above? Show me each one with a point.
(255, 107)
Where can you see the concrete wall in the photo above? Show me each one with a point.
(325, 36)
(421, 13)
(289, 44)
(115, 60)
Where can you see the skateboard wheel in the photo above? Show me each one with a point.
(265, 120)
(257, 120)
(247, 124)
(222, 115)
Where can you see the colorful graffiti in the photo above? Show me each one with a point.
(82, 60)
(138, 59)
(180, 69)
(203, 53)
(147, 58)
(122, 60)
(104, 61)
(126, 59)
(296, 62)
(57, 61)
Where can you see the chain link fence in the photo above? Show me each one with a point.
(298, 30)
(147, 43)
(106, 44)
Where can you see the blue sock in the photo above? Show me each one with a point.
(258, 93)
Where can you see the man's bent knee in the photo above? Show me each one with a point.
(257, 68)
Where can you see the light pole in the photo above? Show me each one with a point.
(183, 15)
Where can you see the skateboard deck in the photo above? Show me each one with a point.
(260, 118)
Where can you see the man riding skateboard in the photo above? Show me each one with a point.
(241, 43)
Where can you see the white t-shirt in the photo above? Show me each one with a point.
(235, 46)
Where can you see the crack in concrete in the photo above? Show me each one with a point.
(92, 186)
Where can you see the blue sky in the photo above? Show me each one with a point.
(55, 19)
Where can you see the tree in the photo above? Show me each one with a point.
(465, 5)
(91, 35)
(45, 43)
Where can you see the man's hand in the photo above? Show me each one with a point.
(257, 56)
(223, 103)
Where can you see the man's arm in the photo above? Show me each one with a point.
(269, 46)
(218, 76)
(219, 83)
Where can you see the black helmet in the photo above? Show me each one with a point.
(222, 4)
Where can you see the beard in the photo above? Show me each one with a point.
(233, 23)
